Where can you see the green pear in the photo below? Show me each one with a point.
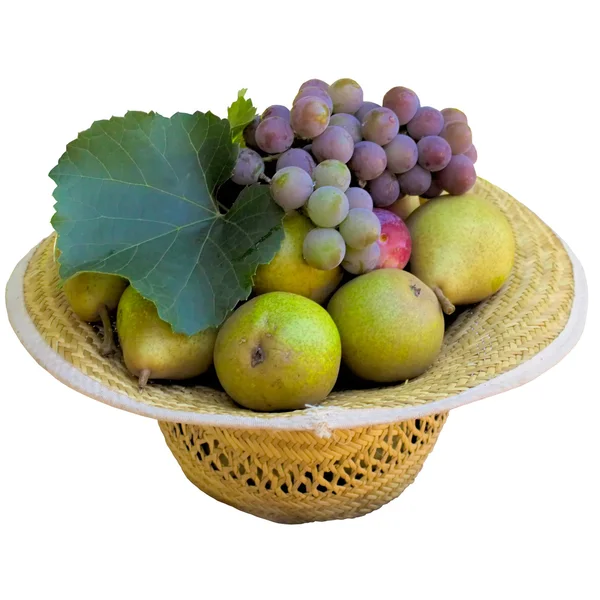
(463, 247)
(390, 323)
(151, 350)
(289, 272)
(279, 351)
(92, 296)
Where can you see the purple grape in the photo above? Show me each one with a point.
(359, 198)
(309, 117)
(453, 114)
(350, 123)
(427, 121)
(402, 154)
(435, 189)
(384, 189)
(459, 176)
(415, 182)
(380, 125)
(249, 166)
(471, 153)
(434, 153)
(458, 135)
(276, 110)
(319, 83)
(403, 102)
(364, 109)
(347, 96)
(315, 92)
(334, 143)
(274, 135)
(250, 133)
(296, 157)
(368, 161)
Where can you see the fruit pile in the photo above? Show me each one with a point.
(351, 231)
(350, 155)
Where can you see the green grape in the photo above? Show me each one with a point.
(360, 228)
(347, 96)
(362, 261)
(327, 206)
(291, 187)
(323, 249)
(332, 172)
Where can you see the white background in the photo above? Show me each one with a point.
(93, 504)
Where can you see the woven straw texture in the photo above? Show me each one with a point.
(485, 341)
(291, 475)
(297, 477)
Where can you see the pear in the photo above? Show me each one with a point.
(390, 323)
(404, 206)
(279, 351)
(463, 247)
(151, 350)
(92, 296)
(289, 272)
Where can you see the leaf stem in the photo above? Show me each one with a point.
(221, 206)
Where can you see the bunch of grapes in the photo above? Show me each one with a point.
(336, 157)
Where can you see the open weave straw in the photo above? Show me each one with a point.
(360, 448)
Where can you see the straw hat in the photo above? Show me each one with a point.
(360, 448)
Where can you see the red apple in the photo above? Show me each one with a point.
(394, 242)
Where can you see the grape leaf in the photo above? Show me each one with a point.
(135, 197)
(240, 114)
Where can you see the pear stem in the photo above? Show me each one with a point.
(143, 378)
(447, 306)
(108, 344)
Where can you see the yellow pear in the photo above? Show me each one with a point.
(151, 350)
(279, 351)
(390, 323)
(92, 296)
(289, 272)
(463, 247)
(404, 206)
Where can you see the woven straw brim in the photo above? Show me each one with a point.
(489, 348)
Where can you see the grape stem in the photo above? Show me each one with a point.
(271, 157)
(362, 183)
(264, 178)
(447, 306)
